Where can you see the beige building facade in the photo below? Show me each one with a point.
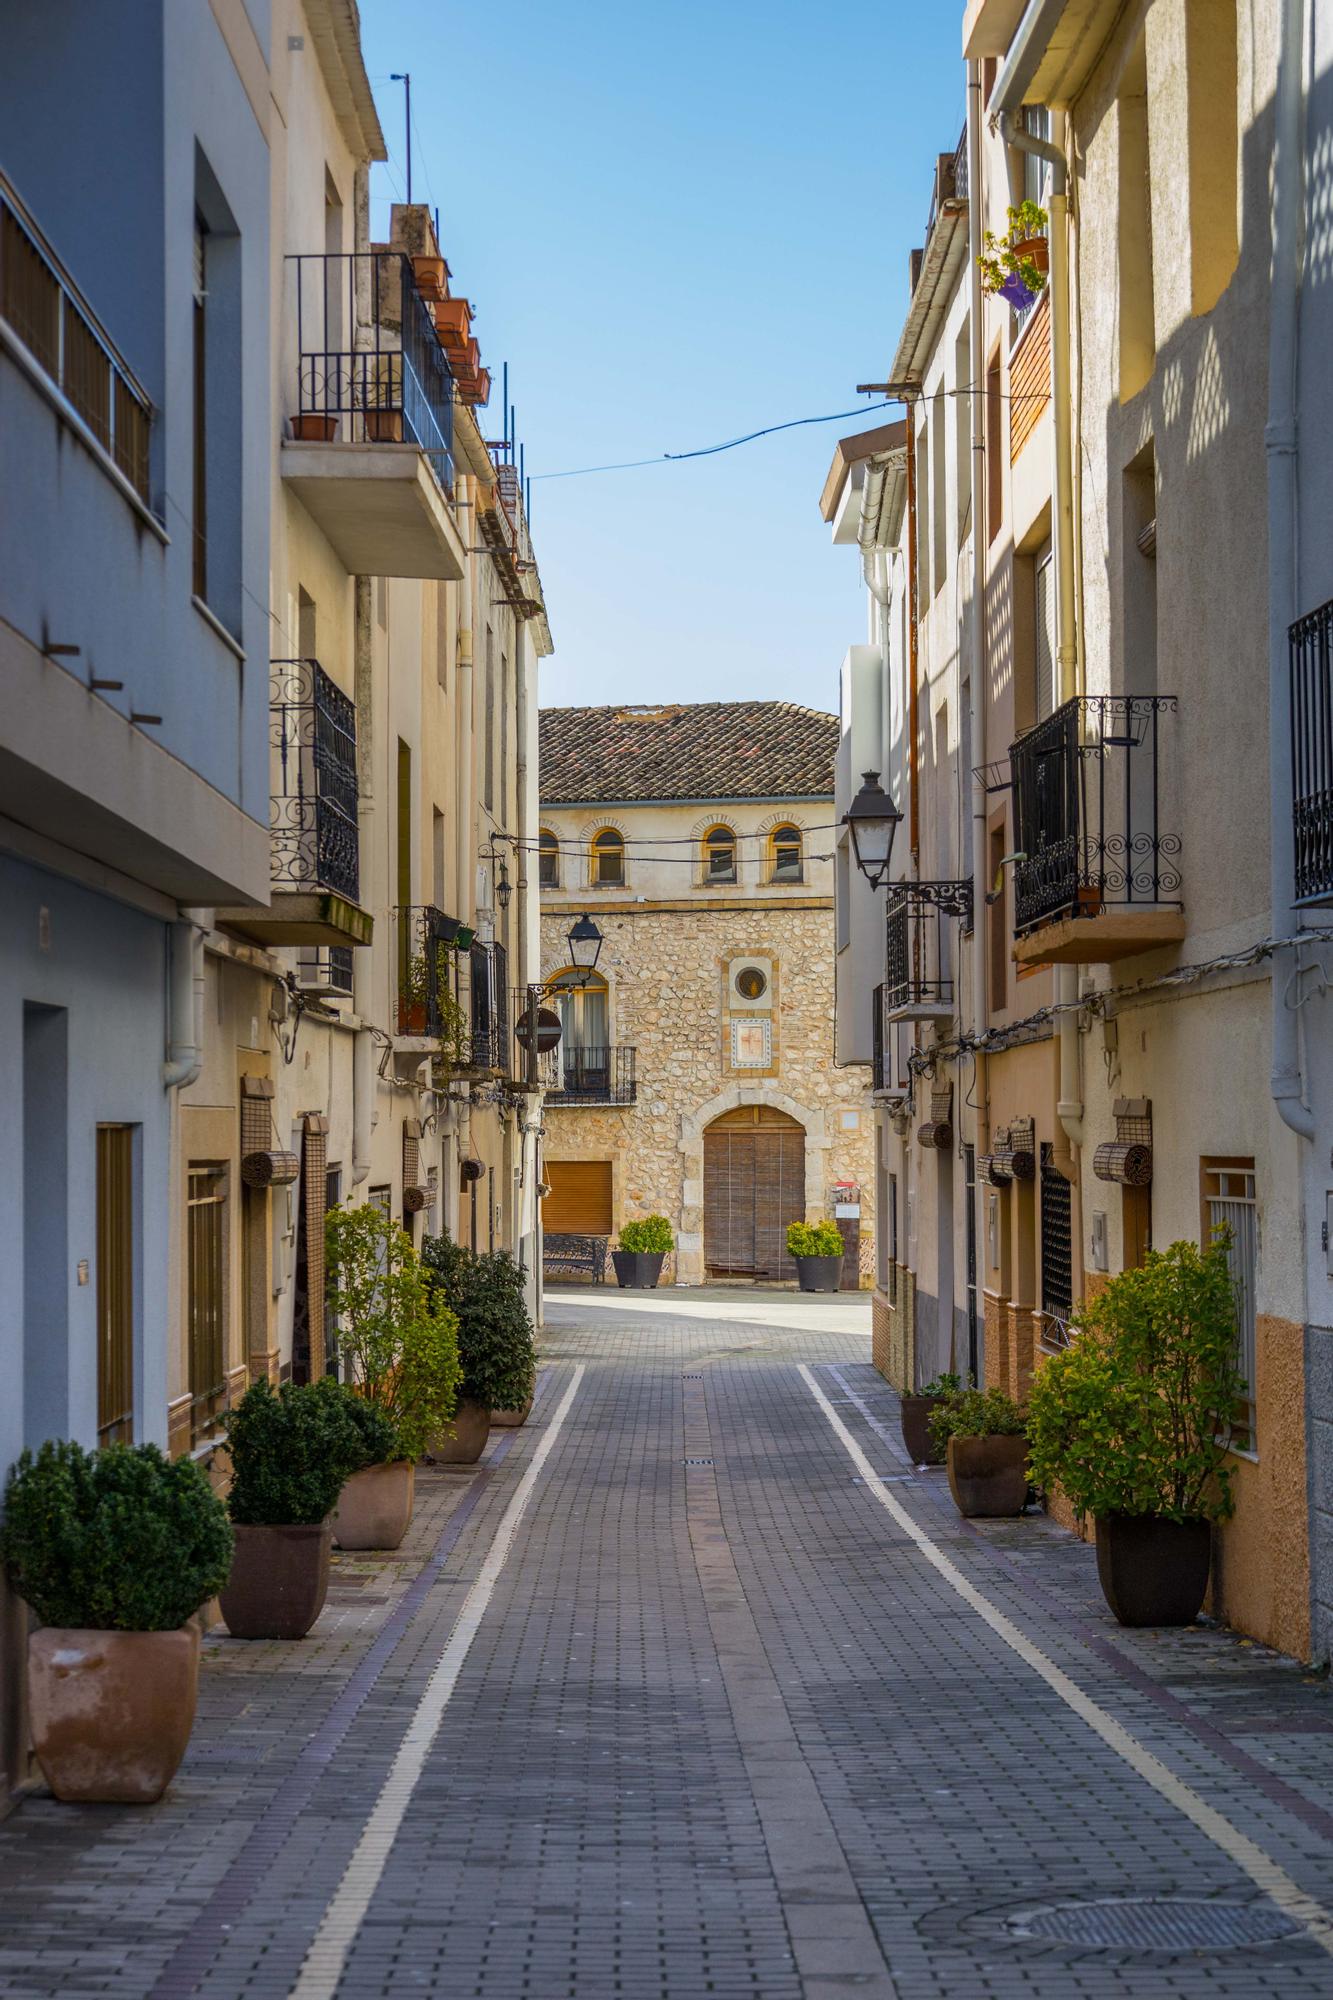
(696, 1075)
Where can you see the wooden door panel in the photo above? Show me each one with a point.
(754, 1185)
(729, 1235)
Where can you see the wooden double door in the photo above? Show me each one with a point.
(754, 1185)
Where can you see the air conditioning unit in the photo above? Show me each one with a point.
(325, 968)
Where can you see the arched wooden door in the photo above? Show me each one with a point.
(754, 1185)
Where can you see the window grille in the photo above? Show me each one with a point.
(206, 1294)
(1230, 1204)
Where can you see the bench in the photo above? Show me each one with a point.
(567, 1256)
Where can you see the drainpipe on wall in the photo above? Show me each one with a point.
(1069, 1103)
(185, 1000)
(913, 611)
(466, 875)
(363, 959)
(977, 666)
(1280, 447)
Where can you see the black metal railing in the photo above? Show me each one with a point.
(950, 182)
(426, 960)
(313, 805)
(488, 1028)
(1088, 783)
(40, 302)
(371, 368)
(880, 1041)
(1311, 646)
(590, 1075)
(918, 945)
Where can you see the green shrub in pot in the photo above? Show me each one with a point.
(814, 1239)
(496, 1346)
(397, 1333)
(648, 1236)
(973, 1413)
(1133, 1422)
(980, 1434)
(115, 1550)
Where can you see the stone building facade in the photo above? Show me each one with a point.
(696, 1075)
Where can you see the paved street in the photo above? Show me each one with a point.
(697, 1688)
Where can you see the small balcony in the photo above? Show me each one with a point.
(1311, 643)
(1100, 873)
(920, 952)
(370, 451)
(503, 523)
(590, 1076)
(314, 844)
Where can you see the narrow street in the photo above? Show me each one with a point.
(729, 1702)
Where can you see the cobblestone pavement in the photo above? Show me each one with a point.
(737, 1707)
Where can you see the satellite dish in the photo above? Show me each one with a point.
(548, 1030)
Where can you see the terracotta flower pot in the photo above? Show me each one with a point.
(429, 274)
(638, 1270)
(477, 390)
(279, 1580)
(914, 1417)
(315, 427)
(111, 1712)
(1033, 250)
(988, 1476)
(1153, 1572)
(374, 1509)
(470, 1429)
(384, 426)
(819, 1274)
(511, 1419)
(453, 319)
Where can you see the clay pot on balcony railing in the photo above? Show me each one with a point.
(384, 426)
(477, 390)
(430, 274)
(315, 427)
(453, 321)
(1033, 250)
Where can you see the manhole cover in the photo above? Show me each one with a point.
(1149, 1923)
(696, 1461)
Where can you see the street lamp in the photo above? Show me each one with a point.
(504, 889)
(585, 944)
(872, 819)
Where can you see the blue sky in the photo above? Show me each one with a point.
(677, 225)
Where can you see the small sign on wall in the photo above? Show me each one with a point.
(751, 1044)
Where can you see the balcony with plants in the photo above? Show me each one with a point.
(315, 882)
(1098, 870)
(369, 444)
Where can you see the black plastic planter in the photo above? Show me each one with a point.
(819, 1274)
(638, 1270)
(915, 1419)
(1153, 1572)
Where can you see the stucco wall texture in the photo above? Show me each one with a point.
(667, 998)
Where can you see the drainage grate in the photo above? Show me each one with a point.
(691, 1378)
(696, 1461)
(1150, 1923)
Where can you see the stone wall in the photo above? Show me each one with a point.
(667, 971)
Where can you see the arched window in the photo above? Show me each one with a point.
(548, 859)
(608, 857)
(785, 854)
(720, 855)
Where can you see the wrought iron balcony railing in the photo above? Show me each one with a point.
(371, 367)
(880, 1042)
(44, 308)
(488, 1031)
(950, 182)
(313, 809)
(1087, 785)
(427, 972)
(590, 1076)
(919, 948)
(1311, 644)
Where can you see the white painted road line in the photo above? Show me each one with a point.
(1262, 1870)
(323, 1964)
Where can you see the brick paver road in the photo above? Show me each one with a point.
(729, 1702)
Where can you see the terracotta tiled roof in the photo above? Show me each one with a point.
(694, 750)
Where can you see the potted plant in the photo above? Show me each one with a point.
(290, 1453)
(315, 426)
(1133, 1422)
(496, 1349)
(430, 274)
(1014, 266)
(374, 1509)
(981, 1432)
(643, 1249)
(115, 1551)
(817, 1248)
(398, 1347)
(453, 321)
(914, 1417)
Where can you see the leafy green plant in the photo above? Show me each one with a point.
(381, 1441)
(975, 1413)
(650, 1236)
(120, 1540)
(417, 992)
(496, 1346)
(1135, 1416)
(290, 1453)
(1000, 263)
(814, 1239)
(943, 1385)
(397, 1337)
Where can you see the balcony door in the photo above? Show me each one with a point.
(585, 1034)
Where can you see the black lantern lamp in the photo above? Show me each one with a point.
(872, 819)
(585, 944)
(504, 889)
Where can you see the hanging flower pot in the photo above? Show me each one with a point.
(1032, 250)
